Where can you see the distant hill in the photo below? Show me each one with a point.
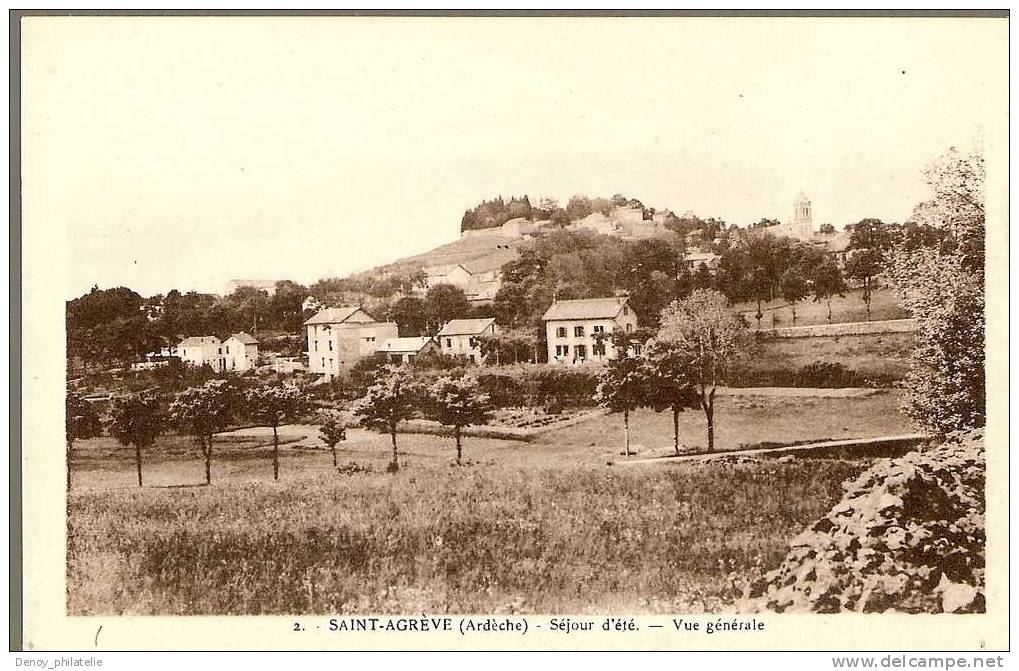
(464, 251)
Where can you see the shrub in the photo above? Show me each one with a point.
(562, 386)
(908, 535)
(505, 391)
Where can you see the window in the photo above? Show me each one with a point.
(598, 349)
(599, 329)
(581, 351)
(219, 350)
(629, 328)
(562, 350)
(323, 362)
(449, 342)
(314, 345)
(473, 342)
(636, 349)
(228, 349)
(330, 345)
(626, 310)
(561, 332)
(578, 331)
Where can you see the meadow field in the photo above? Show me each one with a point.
(545, 526)
(884, 304)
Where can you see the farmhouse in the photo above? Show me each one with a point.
(462, 337)
(240, 352)
(202, 351)
(338, 337)
(402, 350)
(578, 331)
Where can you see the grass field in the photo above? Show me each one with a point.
(849, 308)
(522, 527)
(883, 356)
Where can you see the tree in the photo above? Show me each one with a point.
(458, 402)
(794, 287)
(81, 422)
(274, 404)
(669, 382)
(827, 281)
(864, 266)
(333, 431)
(444, 302)
(826, 229)
(136, 421)
(704, 328)
(942, 285)
(410, 315)
(387, 402)
(622, 387)
(202, 412)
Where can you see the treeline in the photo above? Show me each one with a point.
(496, 212)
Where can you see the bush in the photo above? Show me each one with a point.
(562, 387)
(908, 535)
(818, 375)
(505, 391)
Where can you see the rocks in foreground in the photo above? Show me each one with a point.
(907, 536)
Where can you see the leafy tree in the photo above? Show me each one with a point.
(458, 402)
(444, 302)
(333, 431)
(622, 387)
(864, 266)
(942, 285)
(411, 316)
(794, 287)
(827, 281)
(272, 405)
(136, 421)
(669, 382)
(386, 403)
(705, 329)
(203, 411)
(826, 229)
(81, 422)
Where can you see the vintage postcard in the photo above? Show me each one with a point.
(513, 332)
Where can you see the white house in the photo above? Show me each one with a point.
(338, 337)
(240, 351)
(402, 350)
(201, 351)
(462, 337)
(578, 331)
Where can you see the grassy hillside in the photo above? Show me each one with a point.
(849, 308)
(460, 251)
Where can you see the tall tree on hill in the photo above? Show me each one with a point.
(704, 328)
(669, 381)
(137, 420)
(387, 402)
(202, 412)
(333, 431)
(444, 302)
(458, 402)
(827, 282)
(82, 422)
(275, 404)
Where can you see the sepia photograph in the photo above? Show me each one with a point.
(515, 321)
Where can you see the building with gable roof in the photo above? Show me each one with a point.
(402, 350)
(462, 337)
(240, 352)
(578, 331)
(202, 351)
(339, 337)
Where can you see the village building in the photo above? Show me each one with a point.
(479, 279)
(462, 337)
(339, 337)
(311, 304)
(268, 286)
(695, 260)
(402, 350)
(202, 351)
(240, 352)
(578, 331)
(802, 225)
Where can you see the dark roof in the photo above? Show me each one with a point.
(585, 308)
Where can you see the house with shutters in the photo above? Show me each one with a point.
(240, 352)
(202, 351)
(339, 337)
(578, 331)
(462, 337)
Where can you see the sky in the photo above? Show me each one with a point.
(164, 153)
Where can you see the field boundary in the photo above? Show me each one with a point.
(841, 329)
(879, 443)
